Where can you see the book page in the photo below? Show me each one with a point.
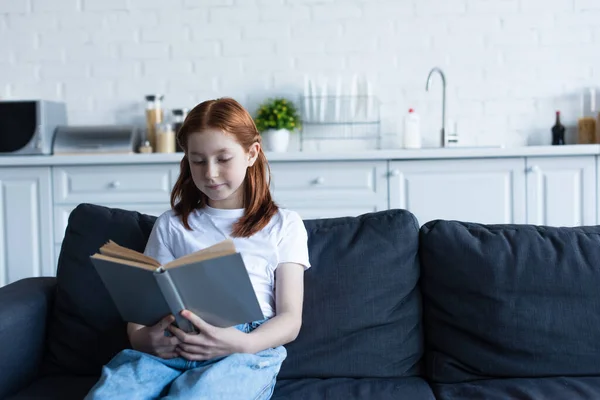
(123, 261)
(114, 250)
(220, 249)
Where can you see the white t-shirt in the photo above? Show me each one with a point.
(283, 240)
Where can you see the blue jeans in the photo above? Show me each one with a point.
(136, 375)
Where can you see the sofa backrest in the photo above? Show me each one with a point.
(510, 300)
(362, 309)
(85, 330)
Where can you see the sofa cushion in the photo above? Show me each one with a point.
(510, 301)
(75, 388)
(362, 310)
(85, 329)
(347, 388)
(58, 387)
(24, 309)
(572, 388)
(362, 306)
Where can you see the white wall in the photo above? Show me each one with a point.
(510, 63)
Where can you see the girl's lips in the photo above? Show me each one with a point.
(214, 186)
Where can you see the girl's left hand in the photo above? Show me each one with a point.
(211, 342)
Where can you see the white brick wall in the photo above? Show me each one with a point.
(509, 63)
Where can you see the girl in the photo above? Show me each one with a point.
(222, 192)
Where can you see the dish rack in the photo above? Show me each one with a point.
(340, 118)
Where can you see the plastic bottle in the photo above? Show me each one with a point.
(412, 130)
(452, 134)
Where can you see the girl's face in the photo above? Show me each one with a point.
(218, 164)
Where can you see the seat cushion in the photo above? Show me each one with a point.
(572, 388)
(362, 308)
(57, 388)
(510, 301)
(75, 388)
(85, 329)
(345, 388)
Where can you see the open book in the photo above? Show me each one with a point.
(213, 283)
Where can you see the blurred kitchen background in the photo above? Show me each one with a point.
(509, 64)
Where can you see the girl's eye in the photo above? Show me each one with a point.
(224, 160)
(198, 162)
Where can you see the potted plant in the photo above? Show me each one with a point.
(275, 120)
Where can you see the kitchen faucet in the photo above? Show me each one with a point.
(436, 69)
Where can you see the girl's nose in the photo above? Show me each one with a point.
(211, 171)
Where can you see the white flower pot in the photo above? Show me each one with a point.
(276, 140)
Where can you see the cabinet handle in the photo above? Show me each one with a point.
(114, 184)
(395, 172)
(533, 168)
(319, 181)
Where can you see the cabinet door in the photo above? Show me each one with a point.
(475, 190)
(26, 224)
(330, 189)
(561, 191)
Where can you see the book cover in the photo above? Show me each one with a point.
(213, 283)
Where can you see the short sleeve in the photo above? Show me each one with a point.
(158, 245)
(293, 244)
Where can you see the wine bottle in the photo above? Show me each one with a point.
(558, 131)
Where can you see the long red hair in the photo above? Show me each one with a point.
(229, 116)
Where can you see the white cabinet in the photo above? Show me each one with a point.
(476, 190)
(330, 189)
(26, 246)
(561, 191)
(142, 188)
(546, 190)
(112, 184)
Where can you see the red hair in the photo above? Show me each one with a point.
(229, 116)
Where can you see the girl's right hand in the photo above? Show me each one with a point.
(152, 339)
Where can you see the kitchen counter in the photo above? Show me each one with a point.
(400, 154)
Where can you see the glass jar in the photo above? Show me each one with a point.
(145, 147)
(588, 118)
(165, 137)
(154, 116)
(178, 115)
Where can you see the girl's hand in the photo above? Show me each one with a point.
(152, 339)
(211, 342)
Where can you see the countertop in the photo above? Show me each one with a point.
(401, 154)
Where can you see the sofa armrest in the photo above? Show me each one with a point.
(24, 306)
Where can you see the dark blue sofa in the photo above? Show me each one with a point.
(449, 310)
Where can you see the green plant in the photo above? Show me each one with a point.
(277, 113)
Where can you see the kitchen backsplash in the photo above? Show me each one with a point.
(509, 63)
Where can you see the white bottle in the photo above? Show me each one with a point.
(412, 130)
